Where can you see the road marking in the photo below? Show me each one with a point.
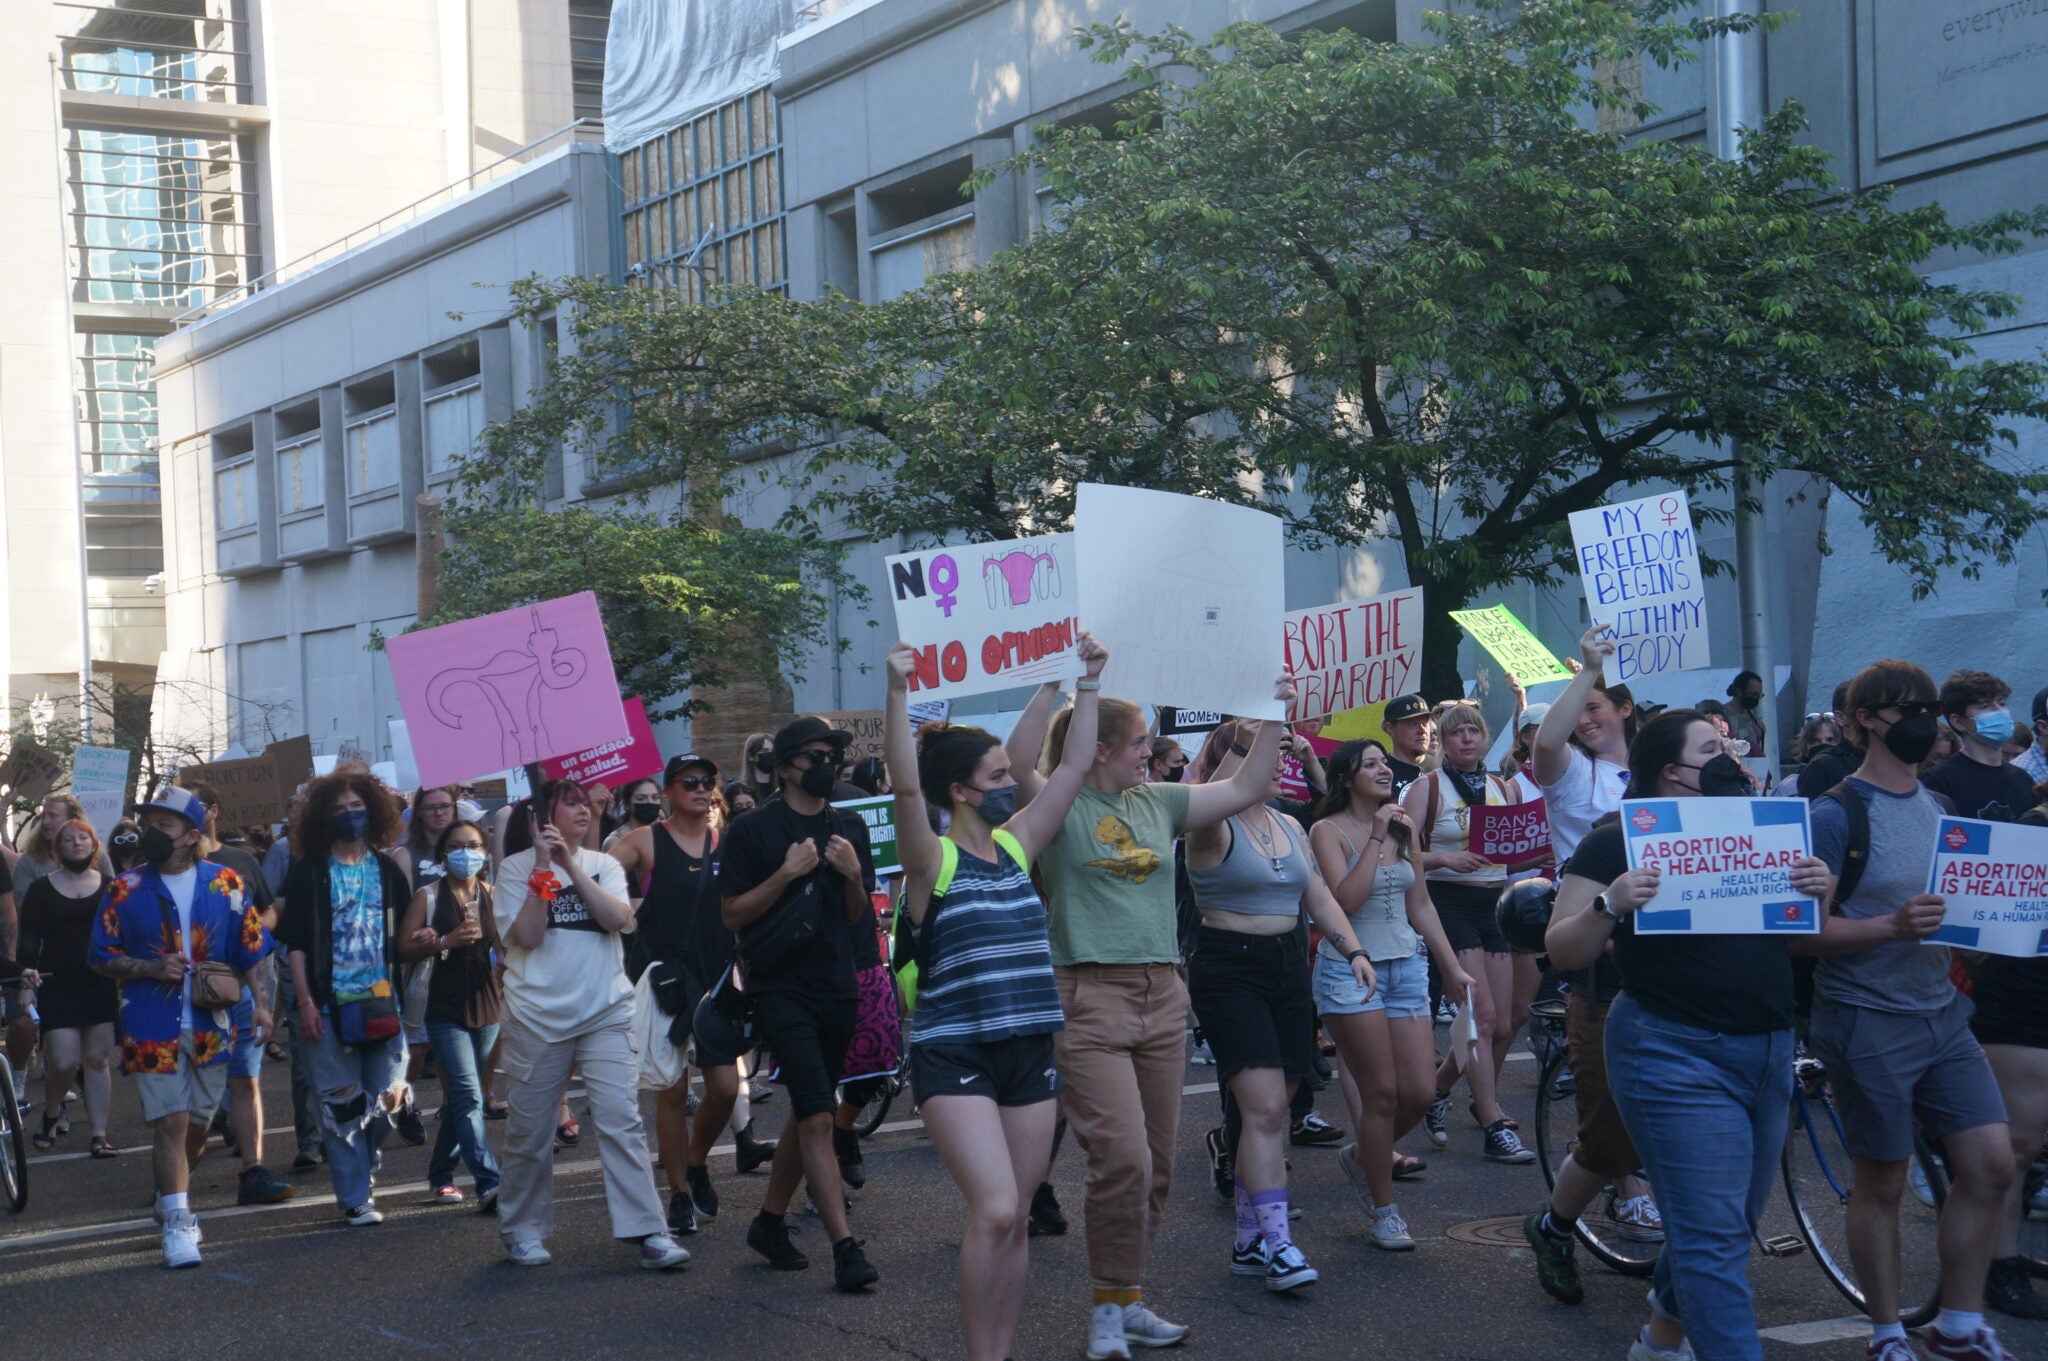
(1821, 1330)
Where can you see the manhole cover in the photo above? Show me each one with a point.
(1490, 1233)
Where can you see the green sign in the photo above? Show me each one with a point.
(1512, 645)
(879, 814)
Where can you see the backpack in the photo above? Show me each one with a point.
(1855, 856)
(910, 951)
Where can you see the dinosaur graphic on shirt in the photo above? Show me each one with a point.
(1133, 862)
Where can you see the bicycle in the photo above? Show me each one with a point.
(13, 1143)
(1557, 1125)
(1819, 1174)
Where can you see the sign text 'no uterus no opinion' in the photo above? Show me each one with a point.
(1640, 562)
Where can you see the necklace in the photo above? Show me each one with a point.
(1265, 840)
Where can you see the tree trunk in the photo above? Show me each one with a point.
(1441, 635)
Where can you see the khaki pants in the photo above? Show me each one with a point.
(536, 1075)
(1123, 1058)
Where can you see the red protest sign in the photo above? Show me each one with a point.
(635, 755)
(1515, 834)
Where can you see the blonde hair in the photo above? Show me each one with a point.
(1463, 714)
(1117, 720)
(32, 840)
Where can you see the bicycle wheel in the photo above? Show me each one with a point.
(1819, 1175)
(877, 1110)
(2034, 1219)
(13, 1153)
(1557, 1128)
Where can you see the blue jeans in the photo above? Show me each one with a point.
(351, 1080)
(461, 1054)
(1707, 1112)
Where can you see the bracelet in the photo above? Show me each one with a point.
(1087, 686)
(1356, 953)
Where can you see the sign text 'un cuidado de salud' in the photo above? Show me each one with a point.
(987, 616)
(1640, 563)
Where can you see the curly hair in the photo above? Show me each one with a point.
(313, 831)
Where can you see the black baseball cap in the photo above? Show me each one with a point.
(678, 764)
(1401, 708)
(809, 728)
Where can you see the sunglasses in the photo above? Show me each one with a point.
(128, 839)
(694, 782)
(1909, 708)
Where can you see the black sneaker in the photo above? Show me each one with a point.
(682, 1216)
(1312, 1130)
(1222, 1167)
(770, 1238)
(852, 1170)
(1556, 1270)
(408, 1123)
(261, 1186)
(1046, 1216)
(1503, 1145)
(2008, 1290)
(851, 1269)
(702, 1198)
(1435, 1117)
(748, 1152)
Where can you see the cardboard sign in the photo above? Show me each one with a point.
(879, 814)
(293, 757)
(30, 770)
(1993, 878)
(507, 689)
(1513, 834)
(987, 616)
(1187, 595)
(1509, 642)
(614, 764)
(1640, 563)
(254, 789)
(1353, 653)
(1726, 863)
(863, 725)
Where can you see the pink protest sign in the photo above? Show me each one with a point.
(507, 689)
(615, 763)
(1516, 834)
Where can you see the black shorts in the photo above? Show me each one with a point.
(1252, 999)
(808, 1036)
(1467, 912)
(1019, 1071)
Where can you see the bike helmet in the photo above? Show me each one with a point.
(1523, 913)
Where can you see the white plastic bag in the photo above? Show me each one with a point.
(661, 1063)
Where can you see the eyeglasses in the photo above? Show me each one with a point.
(437, 808)
(693, 782)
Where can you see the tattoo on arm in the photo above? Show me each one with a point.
(127, 966)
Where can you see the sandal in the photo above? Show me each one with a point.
(100, 1147)
(568, 1132)
(497, 1108)
(45, 1140)
(1407, 1165)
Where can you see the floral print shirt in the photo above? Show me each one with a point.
(225, 926)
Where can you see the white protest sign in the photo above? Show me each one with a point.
(1640, 563)
(99, 781)
(1187, 595)
(1726, 863)
(1354, 653)
(402, 757)
(987, 616)
(930, 711)
(1993, 879)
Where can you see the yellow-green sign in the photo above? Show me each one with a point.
(1512, 645)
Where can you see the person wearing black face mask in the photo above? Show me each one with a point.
(1745, 711)
(1169, 763)
(795, 876)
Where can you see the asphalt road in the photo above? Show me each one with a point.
(81, 1276)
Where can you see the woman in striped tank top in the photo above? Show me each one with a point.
(981, 1052)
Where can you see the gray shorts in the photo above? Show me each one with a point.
(191, 1088)
(1889, 1069)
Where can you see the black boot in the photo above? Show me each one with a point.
(748, 1152)
(852, 1170)
(851, 1269)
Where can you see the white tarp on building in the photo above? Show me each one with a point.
(668, 60)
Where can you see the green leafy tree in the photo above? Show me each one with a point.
(1402, 292)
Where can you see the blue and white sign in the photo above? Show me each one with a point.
(1993, 881)
(1640, 564)
(1726, 863)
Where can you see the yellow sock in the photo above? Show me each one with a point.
(1122, 1294)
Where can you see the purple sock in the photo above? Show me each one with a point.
(1271, 1209)
(1247, 1220)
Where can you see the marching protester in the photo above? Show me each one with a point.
(1364, 846)
(1888, 1022)
(795, 875)
(124, 846)
(183, 941)
(1255, 881)
(38, 850)
(433, 812)
(343, 903)
(1116, 951)
(1977, 780)
(642, 805)
(1744, 713)
(77, 1005)
(450, 922)
(982, 1061)
(561, 908)
(1411, 730)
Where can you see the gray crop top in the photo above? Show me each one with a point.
(1381, 922)
(1248, 880)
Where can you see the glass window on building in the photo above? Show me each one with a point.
(590, 23)
(373, 453)
(301, 481)
(159, 218)
(117, 407)
(703, 202)
(159, 49)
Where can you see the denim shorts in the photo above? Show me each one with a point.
(1402, 990)
(245, 1054)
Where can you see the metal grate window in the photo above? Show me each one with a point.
(590, 23)
(158, 218)
(157, 49)
(716, 181)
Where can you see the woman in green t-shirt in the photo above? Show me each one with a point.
(1108, 880)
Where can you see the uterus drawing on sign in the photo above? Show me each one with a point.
(1019, 577)
(514, 685)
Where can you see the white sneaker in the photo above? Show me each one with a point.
(181, 1239)
(659, 1252)
(1106, 1341)
(527, 1252)
(1389, 1231)
(1347, 1158)
(1643, 1351)
(1143, 1328)
(364, 1215)
(1639, 1219)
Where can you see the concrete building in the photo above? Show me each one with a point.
(163, 156)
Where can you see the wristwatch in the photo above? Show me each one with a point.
(1601, 909)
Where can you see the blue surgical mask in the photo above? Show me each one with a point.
(1995, 727)
(998, 805)
(466, 862)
